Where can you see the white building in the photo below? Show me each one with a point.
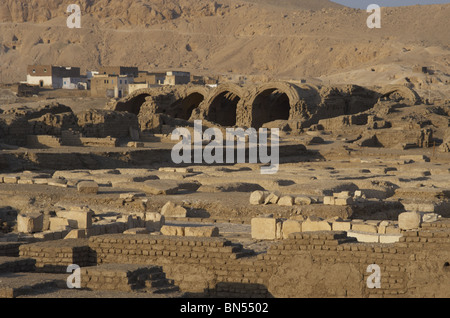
(49, 76)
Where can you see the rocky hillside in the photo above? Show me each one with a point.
(286, 39)
(140, 12)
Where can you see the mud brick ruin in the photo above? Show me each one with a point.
(363, 180)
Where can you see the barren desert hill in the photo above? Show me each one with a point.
(298, 4)
(141, 12)
(292, 40)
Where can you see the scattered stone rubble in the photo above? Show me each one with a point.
(368, 231)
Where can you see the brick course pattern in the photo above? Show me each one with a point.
(56, 256)
(293, 267)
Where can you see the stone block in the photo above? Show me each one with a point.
(409, 220)
(76, 234)
(278, 232)
(184, 170)
(30, 223)
(78, 219)
(58, 224)
(341, 226)
(258, 197)
(314, 225)
(392, 229)
(289, 227)
(134, 221)
(11, 179)
(272, 198)
(25, 181)
(41, 181)
(87, 187)
(389, 238)
(154, 221)
(366, 228)
(358, 194)
(129, 196)
(264, 228)
(430, 217)
(328, 200)
(135, 231)
(57, 184)
(160, 187)
(286, 201)
(172, 230)
(201, 231)
(173, 210)
(303, 201)
(382, 227)
(343, 201)
(167, 169)
(420, 207)
(135, 144)
(364, 237)
(45, 236)
(342, 195)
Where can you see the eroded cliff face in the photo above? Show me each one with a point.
(129, 12)
(227, 37)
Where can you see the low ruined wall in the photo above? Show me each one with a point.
(195, 264)
(9, 249)
(312, 264)
(56, 256)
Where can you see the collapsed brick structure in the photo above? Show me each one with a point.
(254, 105)
(44, 125)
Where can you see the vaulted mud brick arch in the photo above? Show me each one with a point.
(184, 107)
(268, 106)
(272, 101)
(223, 105)
(132, 105)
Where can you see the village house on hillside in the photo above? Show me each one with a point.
(111, 86)
(107, 81)
(49, 76)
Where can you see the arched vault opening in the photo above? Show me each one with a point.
(133, 105)
(184, 107)
(270, 105)
(223, 108)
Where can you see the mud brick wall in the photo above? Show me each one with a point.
(16, 130)
(195, 264)
(311, 257)
(56, 256)
(9, 249)
(428, 272)
(16, 265)
(105, 123)
(314, 264)
(53, 124)
(118, 277)
(41, 141)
